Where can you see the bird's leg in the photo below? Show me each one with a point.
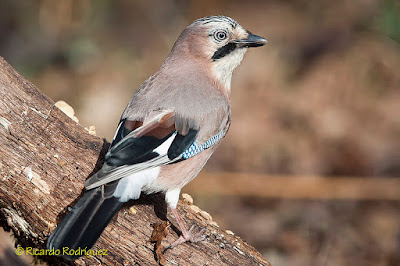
(187, 235)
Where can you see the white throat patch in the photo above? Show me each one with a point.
(223, 68)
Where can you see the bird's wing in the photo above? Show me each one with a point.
(160, 139)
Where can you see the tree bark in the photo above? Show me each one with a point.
(45, 158)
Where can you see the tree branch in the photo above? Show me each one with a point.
(44, 160)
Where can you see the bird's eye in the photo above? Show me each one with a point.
(220, 35)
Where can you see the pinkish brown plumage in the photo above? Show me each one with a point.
(167, 132)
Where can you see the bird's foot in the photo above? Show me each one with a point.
(188, 236)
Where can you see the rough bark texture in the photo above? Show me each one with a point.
(45, 158)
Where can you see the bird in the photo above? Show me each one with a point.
(169, 129)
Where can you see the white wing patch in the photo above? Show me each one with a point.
(116, 131)
(163, 148)
(131, 186)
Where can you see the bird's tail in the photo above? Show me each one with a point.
(81, 228)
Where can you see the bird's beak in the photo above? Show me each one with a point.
(251, 41)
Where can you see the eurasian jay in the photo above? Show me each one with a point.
(167, 132)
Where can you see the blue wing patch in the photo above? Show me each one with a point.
(196, 148)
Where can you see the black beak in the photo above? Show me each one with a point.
(251, 41)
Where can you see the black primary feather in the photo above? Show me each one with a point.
(181, 143)
(81, 227)
(121, 133)
(134, 150)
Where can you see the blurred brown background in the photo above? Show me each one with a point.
(321, 99)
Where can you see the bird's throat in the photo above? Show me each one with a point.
(224, 67)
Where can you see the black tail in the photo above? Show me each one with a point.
(82, 227)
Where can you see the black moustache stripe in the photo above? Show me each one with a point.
(224, 50)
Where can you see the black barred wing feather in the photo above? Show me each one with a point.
(141, 145)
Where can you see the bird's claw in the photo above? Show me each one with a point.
(189, 236)
(194, 237)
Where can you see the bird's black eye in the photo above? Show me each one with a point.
(220, 35)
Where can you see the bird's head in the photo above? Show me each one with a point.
(220, 42)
